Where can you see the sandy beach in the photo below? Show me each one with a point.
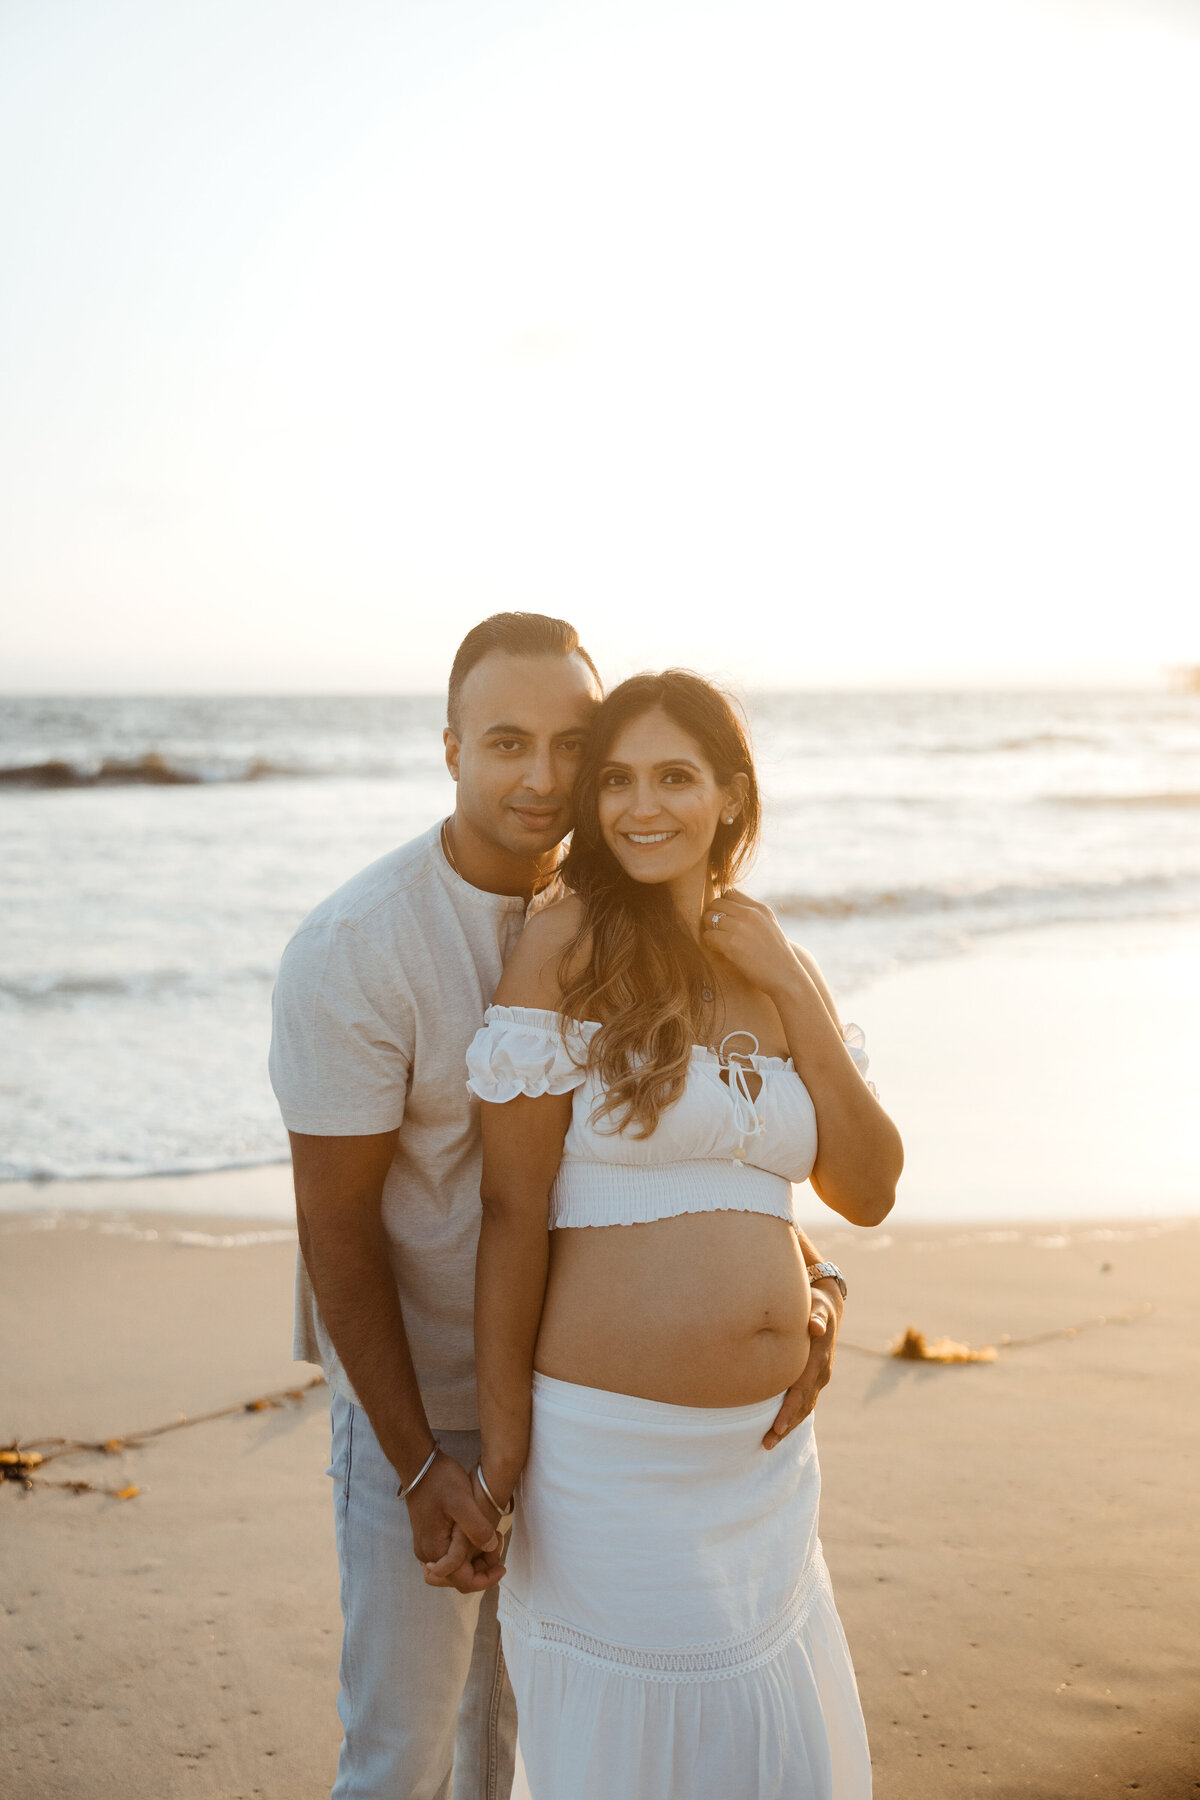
(1011, 1542)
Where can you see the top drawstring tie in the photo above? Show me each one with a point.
(745, 1114)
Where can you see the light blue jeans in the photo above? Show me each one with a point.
(425, 1702)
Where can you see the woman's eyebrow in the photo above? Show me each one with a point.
(672, 762)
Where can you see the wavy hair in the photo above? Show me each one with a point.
(641, 973)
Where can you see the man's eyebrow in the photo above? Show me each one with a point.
(524, 731)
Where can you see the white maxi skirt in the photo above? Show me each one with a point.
(667, 1617)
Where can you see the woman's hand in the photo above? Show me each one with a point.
(465, 1565)
(454, 1537)
(748, 935)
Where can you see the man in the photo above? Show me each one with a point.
(379, 994)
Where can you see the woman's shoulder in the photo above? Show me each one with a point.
(560, 914)
(533, 974)
(809, 964)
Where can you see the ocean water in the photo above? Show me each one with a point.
(155, 855)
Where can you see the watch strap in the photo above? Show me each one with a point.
(827, 1271)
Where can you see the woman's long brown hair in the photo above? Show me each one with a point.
(642, 975)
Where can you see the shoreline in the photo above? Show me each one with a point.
(1049, 1074)
(209, 1230)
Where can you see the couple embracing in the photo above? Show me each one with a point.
(575, 1478)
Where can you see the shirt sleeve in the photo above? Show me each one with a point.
(523, 1050)
(342, 1036)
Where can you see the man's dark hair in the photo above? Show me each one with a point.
(516, 634)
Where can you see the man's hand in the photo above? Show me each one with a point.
(452, 1537)
(801, 1397)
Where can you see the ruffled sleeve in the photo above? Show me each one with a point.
(522, 1050)
(855, 1040)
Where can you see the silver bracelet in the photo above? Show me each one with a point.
(402, 1492)
(504, 1511)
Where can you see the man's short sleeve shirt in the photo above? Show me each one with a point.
(379, 993)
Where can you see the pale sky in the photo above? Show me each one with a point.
(801, 343)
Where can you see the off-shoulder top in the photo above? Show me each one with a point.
(714, 1149)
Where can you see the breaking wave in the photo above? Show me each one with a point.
(77, 989)
(1015, 901)
(148, 770)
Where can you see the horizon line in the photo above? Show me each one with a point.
(1171, 681)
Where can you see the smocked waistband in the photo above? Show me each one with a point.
(615, 1193)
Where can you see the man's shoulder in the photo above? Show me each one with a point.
(343, 1037)
(386, 891)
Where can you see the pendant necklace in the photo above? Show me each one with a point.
(707, 994)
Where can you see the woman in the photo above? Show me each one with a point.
(659, 1065)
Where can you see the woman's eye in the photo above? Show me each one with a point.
(676, 775)
(612, 780)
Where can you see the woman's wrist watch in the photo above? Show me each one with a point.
(827, 1272)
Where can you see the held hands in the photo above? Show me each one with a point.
(801, 1397)
(748, 935)
(454, 1535)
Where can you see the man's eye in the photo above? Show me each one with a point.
(573, 746)
(509, 744)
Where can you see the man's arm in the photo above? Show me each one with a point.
(339, 1213)
(339, 1196)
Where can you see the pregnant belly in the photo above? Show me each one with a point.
(706, 1309)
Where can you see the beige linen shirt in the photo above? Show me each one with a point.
(379, 993)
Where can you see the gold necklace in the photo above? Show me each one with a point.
(447, 851)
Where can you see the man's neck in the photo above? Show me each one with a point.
(485, 865)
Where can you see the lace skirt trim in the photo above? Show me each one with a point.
(720, 1660)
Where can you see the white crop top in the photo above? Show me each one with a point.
(714, 1149)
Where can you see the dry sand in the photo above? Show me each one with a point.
(1012, 1544)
